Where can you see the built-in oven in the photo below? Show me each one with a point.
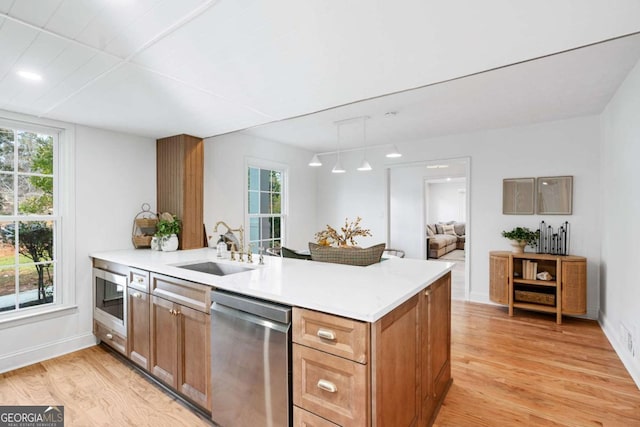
(110, 308)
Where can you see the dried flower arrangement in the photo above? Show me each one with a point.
(330, 236)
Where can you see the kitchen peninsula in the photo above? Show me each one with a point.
(371, 345)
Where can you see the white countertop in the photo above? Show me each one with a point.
(362, 293)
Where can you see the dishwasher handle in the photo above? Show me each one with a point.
(242, 315)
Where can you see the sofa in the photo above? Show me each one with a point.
(444, 237)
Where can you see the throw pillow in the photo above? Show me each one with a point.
(459, 228)
(448, 229)
(430, 233)
(290, 253)
(432, 228)
(439, 229)
(350, 256)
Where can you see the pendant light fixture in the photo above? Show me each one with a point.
(337, 168)
(364, 166)
(394, 153)
(315, 161)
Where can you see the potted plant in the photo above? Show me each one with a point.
(521, 237)
(167, 231)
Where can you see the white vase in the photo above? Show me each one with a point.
(170, 243)
(155, 243)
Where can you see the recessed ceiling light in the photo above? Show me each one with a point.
(29, 75)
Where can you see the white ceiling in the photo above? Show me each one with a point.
(163, 67)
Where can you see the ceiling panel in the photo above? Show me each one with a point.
(128, 99)
(243, 62)
(14, 40)
(88, 69)
(36, 12)
(72, 16)
(143, 27)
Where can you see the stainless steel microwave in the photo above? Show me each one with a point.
(110, 296)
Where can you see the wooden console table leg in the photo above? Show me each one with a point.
(559, 292)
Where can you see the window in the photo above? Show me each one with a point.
(265, 207)
(28, 219)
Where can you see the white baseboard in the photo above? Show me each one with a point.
(633, 366)
(29, 356)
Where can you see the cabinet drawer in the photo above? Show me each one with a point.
(190, 294)
(331, 387)
(302, 418)
(336, 335)
(110, 337)
(139, 279)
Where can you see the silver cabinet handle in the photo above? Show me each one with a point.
(326, 334)
(327, 386)
(139, 279)
(137, 295)
(110, 336)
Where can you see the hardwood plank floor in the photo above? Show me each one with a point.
(529, 371)
(520, 371)
(96, 389)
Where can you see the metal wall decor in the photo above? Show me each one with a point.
(552, 242)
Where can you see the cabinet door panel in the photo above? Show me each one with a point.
(435, 345)
(574, 287)
(138, 328)
(164, 339)
(396, 366)
(499, 279)
(193, 357)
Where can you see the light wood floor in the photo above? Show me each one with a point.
(518, 371)
(529, 371)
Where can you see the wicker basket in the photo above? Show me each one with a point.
(535, 297)
(141, 241)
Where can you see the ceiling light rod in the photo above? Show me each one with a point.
(351, 120)
(350, 150)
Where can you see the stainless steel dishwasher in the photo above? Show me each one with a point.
(250, 362)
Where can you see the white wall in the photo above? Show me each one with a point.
(353, 194)
(620, 232)
(115, 174)
(225, 180)
(444, 203)
(568, 147)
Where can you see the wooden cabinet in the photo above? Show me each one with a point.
(138, 317)
(564, 293)
(435, 347)
(395, 371)
(180, 183)
(180, 337)
(110, 337)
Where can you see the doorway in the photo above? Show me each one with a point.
(427, 195)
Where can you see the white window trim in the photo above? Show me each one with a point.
(255, 162)
(65, 299)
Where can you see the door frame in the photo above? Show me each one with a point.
(468, 209)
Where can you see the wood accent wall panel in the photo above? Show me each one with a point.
(180, 185)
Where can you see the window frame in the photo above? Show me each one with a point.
(251, 162)
(64, 215)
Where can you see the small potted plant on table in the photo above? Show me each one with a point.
(521, 237)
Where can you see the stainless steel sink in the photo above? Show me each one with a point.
(215, 268)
